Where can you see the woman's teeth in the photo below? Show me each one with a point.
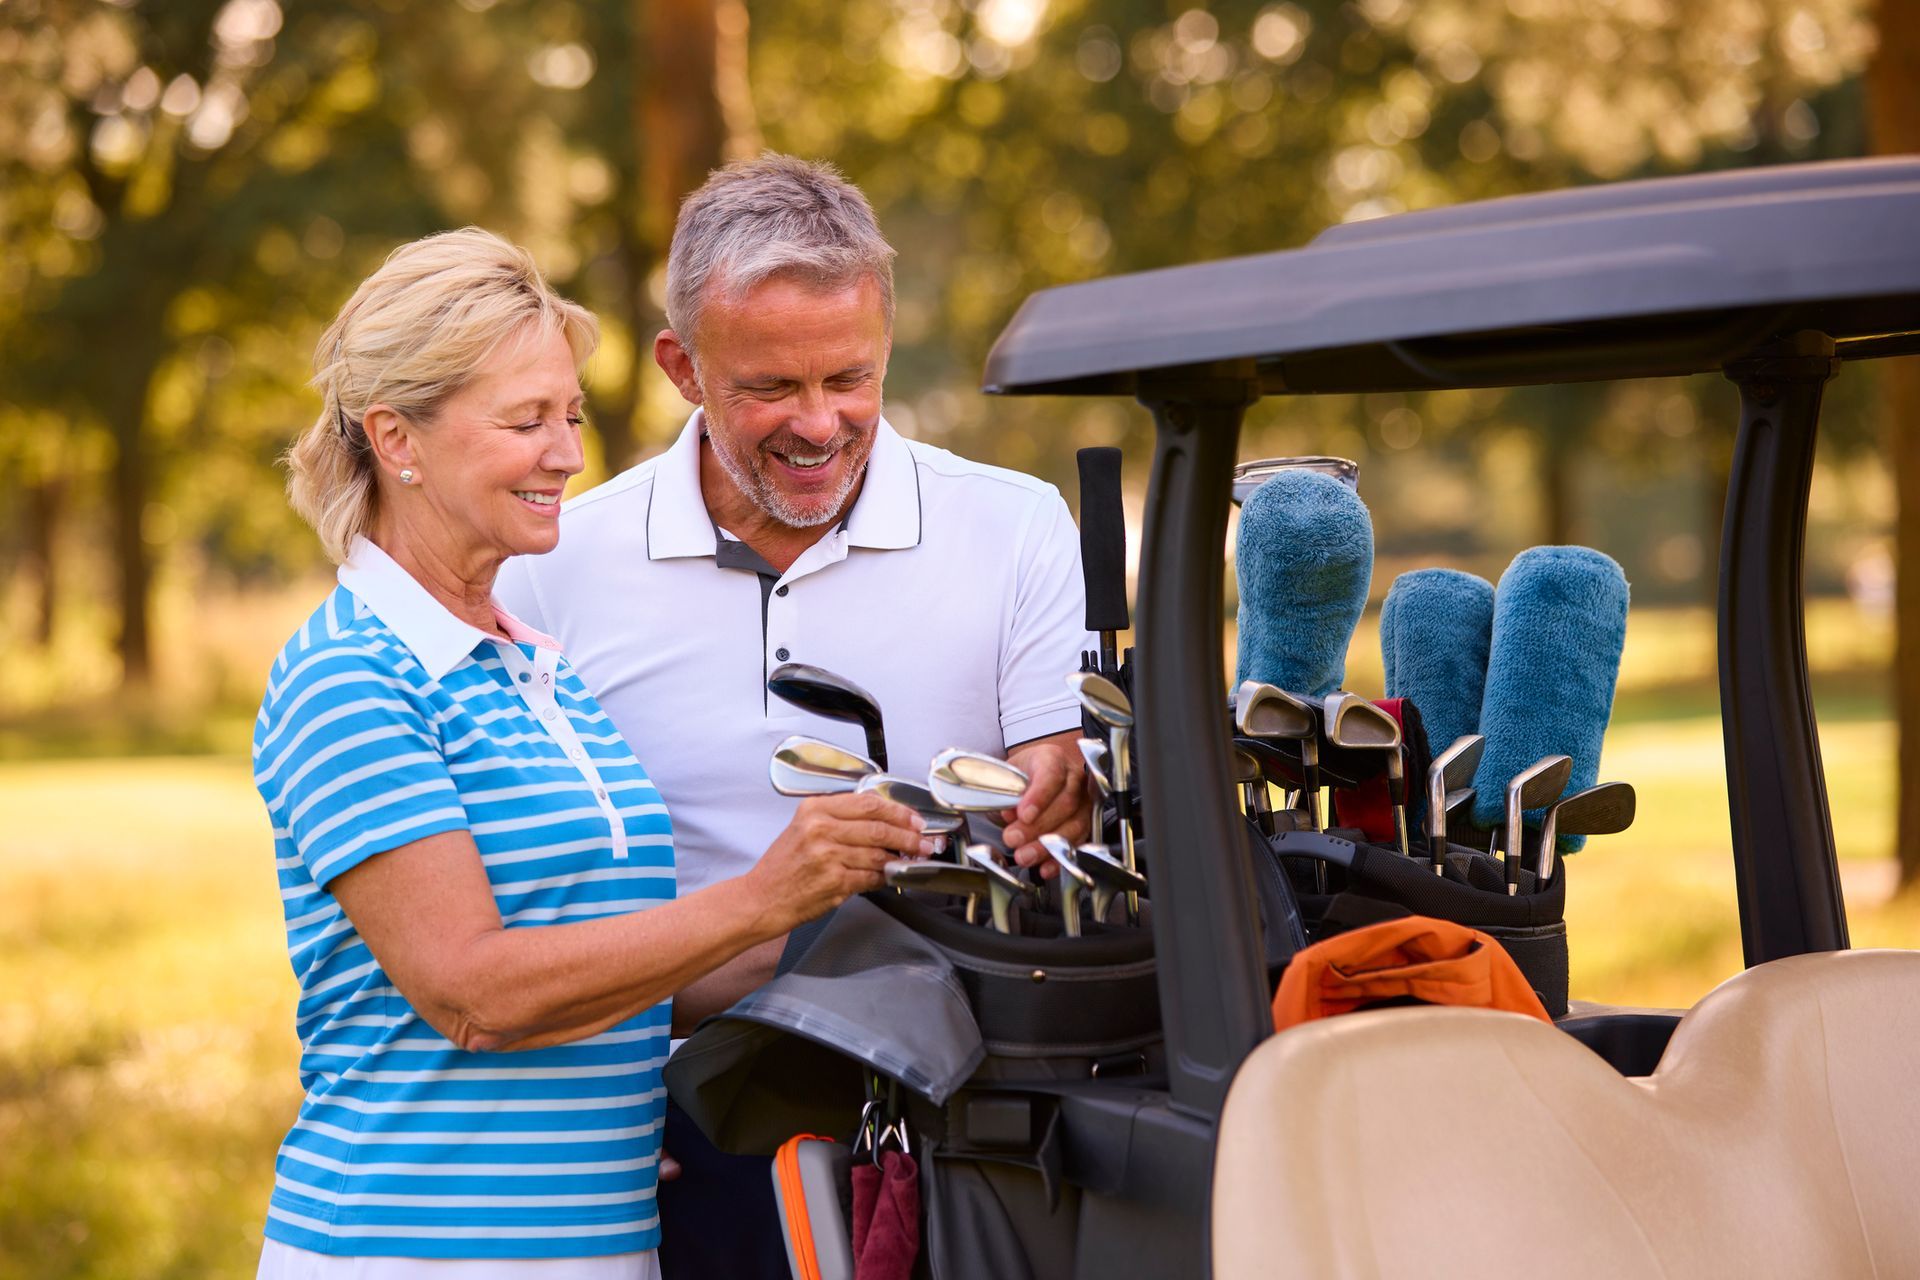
(540, 499)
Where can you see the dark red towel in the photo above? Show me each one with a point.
(886, 1217)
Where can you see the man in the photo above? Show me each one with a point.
(790, 522)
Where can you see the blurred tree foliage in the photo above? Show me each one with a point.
(188, 189)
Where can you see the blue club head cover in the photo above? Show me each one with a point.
(1303, 560)
(1435, 630)
(1559, 624)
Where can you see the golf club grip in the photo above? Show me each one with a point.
(1103, 539)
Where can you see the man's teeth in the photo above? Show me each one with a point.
(542, 499)
(807, 461)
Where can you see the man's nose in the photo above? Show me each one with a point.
(816, 420)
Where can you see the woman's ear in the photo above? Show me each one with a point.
(390, 435)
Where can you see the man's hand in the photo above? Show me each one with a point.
(1055, 801)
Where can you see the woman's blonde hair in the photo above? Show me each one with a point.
(414, 333)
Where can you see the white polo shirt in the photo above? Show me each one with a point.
(952, 593)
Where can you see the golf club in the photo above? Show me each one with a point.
(967, 882)
(1110, 877)
(1252, 781)
(1073, 880)
(822, 692)
(1104, 701)
(941, 819)
(1451, 771)
(1002, 885)
(803, 766)
(1603, 810)
(1540, 783)
(1354, 722)
(974, 782)
(1263, 711)
(1094, 753)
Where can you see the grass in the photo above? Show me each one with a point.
(146, 1047)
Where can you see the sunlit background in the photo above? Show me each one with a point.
(189, 189)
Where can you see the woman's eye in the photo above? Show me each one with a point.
(578, 421)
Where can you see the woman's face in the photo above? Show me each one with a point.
(491, 467)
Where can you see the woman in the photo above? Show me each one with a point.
(471, 859)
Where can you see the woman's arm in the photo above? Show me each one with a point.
(428, 914)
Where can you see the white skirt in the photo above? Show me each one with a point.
(284, 1262)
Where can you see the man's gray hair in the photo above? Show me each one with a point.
(777, 215)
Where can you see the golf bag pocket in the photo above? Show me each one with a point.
(1368, 884)
(812, 1186)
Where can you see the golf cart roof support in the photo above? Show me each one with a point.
(1784, 867)
(1206, 928)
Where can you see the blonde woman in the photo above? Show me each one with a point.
(478, 877)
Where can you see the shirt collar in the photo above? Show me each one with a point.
(438, 639)
(885, 517)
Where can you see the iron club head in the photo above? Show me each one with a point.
(1072, 883)
(1539, 784)
(940, 819)
(1451, 770)
(803, 766)
(974, 782)
(1603, 810)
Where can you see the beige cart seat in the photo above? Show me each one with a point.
(1780, 1136)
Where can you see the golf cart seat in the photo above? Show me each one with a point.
(1779, 1136)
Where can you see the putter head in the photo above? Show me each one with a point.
(940, 819)
(1094, 753)
(1102, 699)
(937, 877)
(1262, 710)
(973, 782)
(803, 766)
(826, 694)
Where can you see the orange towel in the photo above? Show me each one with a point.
(1433, 961)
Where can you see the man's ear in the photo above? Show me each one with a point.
(391, 437)
(677, 363)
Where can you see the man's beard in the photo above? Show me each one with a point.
(749, 473)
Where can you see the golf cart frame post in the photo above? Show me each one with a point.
(1771, 276)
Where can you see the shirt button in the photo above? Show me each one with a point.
(576, 753)
(547, 714)
(525, 678)
(780, 654)
(780, 590)
(601, 792)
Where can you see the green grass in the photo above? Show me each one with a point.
(146, 1045)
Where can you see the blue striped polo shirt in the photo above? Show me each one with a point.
(388, 719)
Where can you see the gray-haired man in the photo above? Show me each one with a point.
(790, 522)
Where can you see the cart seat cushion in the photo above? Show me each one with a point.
(1779, 1136)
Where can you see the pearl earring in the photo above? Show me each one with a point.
(406, 476)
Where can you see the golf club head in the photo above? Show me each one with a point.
(803, 766)
(1102, 699)
(1072, 882)
(1002, 885)
(937, 877)
(833, 696)
(1535, 786)
(1110, 877)
(1353, 722)
(1451, 770)
(1094, 753)
(1262, 710)
(974, 782)
(940, 819)
(1603, 810)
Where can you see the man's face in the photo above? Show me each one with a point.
(789, 375)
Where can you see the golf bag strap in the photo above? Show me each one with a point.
(1417, 958)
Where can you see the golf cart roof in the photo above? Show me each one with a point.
(1666, 276)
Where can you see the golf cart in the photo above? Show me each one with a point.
(1773, 1130)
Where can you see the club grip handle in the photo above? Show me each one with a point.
(1103, 539)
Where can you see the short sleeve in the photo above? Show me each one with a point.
(349, 762)
(1049, 629)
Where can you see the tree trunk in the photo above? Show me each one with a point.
(130, 481)
(678, 118)
(43, 521)
(1893, 116)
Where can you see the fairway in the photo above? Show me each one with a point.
(146, 1047)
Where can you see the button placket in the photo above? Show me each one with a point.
(536, 683)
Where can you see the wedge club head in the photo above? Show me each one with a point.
(1603, 810)
(974, 782)
(803, 766)
(1539, 784)
(1451, 770)
(1110, 877)
(1355, 723)
(1072, 883)
(1002, 885)
(834, 696)
(940, 819)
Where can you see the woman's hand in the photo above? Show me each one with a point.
(834, 848)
